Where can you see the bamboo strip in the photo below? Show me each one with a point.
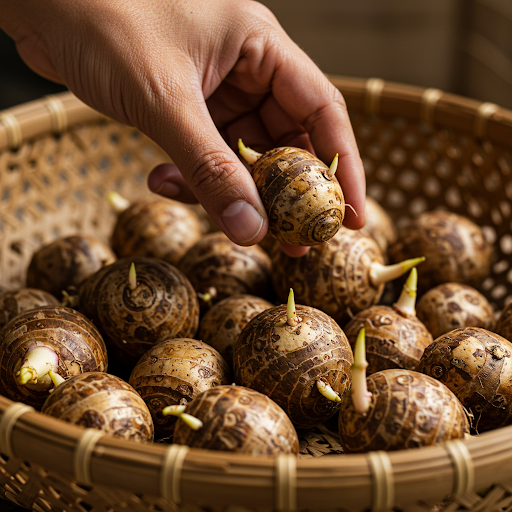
(83, 454)
(35, 119)
(383, 492)
(9, 418)
(373, 94)
(430, 97)
(12, 129)
(484, 112)
(286, 483)
(463, 467)
(58, 116)
(171, 473)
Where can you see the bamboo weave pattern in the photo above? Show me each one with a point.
(420, 150)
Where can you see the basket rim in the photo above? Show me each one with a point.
(485, 120)
(480, 119)
(355, 481)
(206, 476)
(52, 114)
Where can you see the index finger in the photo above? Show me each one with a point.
(315, 103)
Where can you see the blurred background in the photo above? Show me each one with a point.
(459, 46)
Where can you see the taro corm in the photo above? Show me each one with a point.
(301, 195)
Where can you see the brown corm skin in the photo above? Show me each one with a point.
(163, 305)
(206, 222)
(451, 306)
(102, 401)
(454, 247)
(305, 205)
(285, 362)
(379, 225)
(408, 410)
(157, 228)
(223, 323)
(217, 262)
(268, 242)
(66, 262)
(333, 276)
(75, 339)
(173, 372)
(392, 339)
(476, 364)
(14, 302)
(237, 419)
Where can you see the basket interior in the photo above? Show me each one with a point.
(56, 185)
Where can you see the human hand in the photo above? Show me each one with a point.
(195, 76)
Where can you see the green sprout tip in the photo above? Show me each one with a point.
(291, 315)
(248, 154)
(327, 391)
(334, 166)
(406, 303)
(360, 395)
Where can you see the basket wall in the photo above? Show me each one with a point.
(57, 186)
(421, 150)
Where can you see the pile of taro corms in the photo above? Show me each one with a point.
(223, 347)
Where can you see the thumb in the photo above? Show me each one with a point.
(210, 170)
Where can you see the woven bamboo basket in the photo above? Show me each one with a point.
(422, 149)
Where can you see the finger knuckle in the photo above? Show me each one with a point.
(264, 13)
(260, 22)
(334, 102)
(211, 174)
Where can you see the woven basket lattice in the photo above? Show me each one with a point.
(422, 149)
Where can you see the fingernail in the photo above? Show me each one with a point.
(242, 221)
(168, 189)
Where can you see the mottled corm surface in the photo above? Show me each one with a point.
(393, 340)
(455, 249)
(102, 401)
(230, 269)
(305, 205)
(504, 322)
(156, 227)
(333, 276)
(408, 410)
(162, 305)
(451, 306)
(14, 302)
(74, 338)
(223, 323)
(173, 372)
(476, 364)
(285, 362)
(237, 419)
(66, 262)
